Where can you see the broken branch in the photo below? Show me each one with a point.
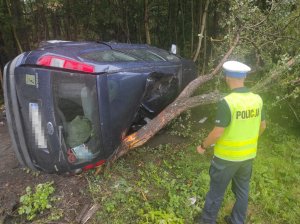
(182, 103)
(89, 213)
(192, 86)
(275, 73)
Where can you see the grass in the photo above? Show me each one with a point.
(168, 183)
(154, 186)
(275, 192)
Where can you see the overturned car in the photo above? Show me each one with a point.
(70, 104)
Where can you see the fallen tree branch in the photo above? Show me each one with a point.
(182, 103)
(192, 86)
(274, 74)
(160, 121)
(89, 213)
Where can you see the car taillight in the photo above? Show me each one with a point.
(59, 62)
(94, 165)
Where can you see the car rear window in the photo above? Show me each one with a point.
(108, 56)
(77, 114)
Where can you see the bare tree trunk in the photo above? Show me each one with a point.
(45, 22)
(127, 31)
(146, 21)
(182, 24)
(204, 53)
(1, 79)
(182, 103)
(14, 28)
(202, 31)
(160, 121)
(192, 33)
(68, 21)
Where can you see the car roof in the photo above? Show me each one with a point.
(74, 49)
(78, 50)
(81, 45)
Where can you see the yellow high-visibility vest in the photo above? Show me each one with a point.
(239, 140)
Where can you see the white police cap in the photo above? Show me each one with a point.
(236, 69)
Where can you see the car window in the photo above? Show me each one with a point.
(75, 105)
(108, 56)
(144, 54)
(166, 55)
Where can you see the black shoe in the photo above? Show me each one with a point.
(228, 219)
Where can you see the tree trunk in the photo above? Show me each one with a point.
(1, 80)
(182, 24)
(160, 121)
(192, 24)
(14, 28)
(126, 29)
(68, 21)
(45, 22)
(146, 22)
(201, 31)
(204, 53)
(182, 103)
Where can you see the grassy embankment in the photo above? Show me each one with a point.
(168, 183)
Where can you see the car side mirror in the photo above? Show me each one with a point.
(173, 49)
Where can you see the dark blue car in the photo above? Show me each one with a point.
(70, 104)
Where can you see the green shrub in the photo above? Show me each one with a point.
(33, 203)
(161, 217)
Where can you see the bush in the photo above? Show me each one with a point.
(33, 203)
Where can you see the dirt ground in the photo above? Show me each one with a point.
(14, 180)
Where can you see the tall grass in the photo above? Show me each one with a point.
(167, 184)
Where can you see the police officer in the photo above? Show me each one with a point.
(240, 120)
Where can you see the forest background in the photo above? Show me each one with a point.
(202, 30)
(154, 185)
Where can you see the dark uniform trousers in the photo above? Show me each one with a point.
(221, 173)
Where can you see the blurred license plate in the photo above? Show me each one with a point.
(36, 124)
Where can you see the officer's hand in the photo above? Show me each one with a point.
(200, 150)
